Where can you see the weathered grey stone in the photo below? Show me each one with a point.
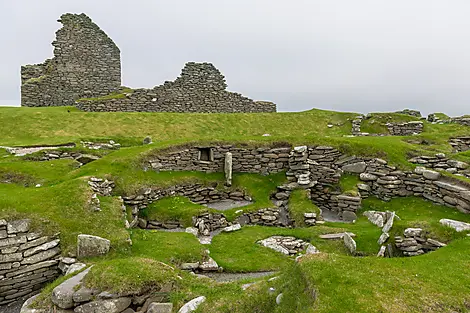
(457, 225)
(228, 169)
(232, 228)
(349, 243)
(413, 232)
(189, 266)
(311, 249)
(18, 226)
(160, 308)
(381, 253)
(147, 140)
(62, 295)
(368, 177)
(84, 294)
(75, 268)
(41, 256)
(44, 247)
(383, 238)
(349, 216)
(104, 306)
(431, 175)
(90, 246)
(356, 168)
(389, 224)
(192, 305)
(209, 265)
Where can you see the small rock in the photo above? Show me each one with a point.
(160, 308)
(147, 140)
(279, 298)
(90, 246)
(232, 228)
(349, 243)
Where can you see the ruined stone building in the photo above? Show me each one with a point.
(86, 72)
(86, 63)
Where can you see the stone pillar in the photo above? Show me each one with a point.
(228, 169)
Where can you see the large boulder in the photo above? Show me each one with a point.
(90, 246)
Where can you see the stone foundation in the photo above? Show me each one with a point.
(460, 144)
(405, 129)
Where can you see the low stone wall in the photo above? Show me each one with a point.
(27, 260)
(460, 144)
(461, 120)
(197, 193)
(212, 158)
(386, 184)
(441, 162)
(405, 129)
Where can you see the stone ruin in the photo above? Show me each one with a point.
(86, 63)
(86, 67)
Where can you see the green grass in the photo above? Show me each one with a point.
(131, 275)
(434, 282)
(173, 209)
(172, 248)
(64, 208)
(348, 184)
(299, 203)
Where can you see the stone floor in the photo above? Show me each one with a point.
(331, 216)
(225, 205)
(229, 277)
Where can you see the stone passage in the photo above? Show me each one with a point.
(86, 63)
(27, 260)
(200, 88)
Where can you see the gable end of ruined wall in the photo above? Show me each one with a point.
(86, 63)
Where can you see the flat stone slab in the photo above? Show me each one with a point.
(457, 225)
(336, 236)
(228, 204)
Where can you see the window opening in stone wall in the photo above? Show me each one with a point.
(205, 154)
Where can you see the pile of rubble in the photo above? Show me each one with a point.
(288, 245)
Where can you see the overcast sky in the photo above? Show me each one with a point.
(350, 55)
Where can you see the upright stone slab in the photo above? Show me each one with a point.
(228, 169)
(90, 246)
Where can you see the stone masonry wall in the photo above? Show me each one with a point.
(460, 144)
(86, 63)
(405, 129)
(27, 260)
(200, 88)
(247, 160)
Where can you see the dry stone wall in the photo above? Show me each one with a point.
(200, 88)
(460, 144)
(86, 63)
(27, 260)
(405, 129)
(212, 159)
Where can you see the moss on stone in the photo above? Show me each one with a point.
(120, 94)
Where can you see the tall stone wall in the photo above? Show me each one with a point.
(200, 88)
(27, 260)
(86, 63)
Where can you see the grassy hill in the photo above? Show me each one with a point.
(333, 281)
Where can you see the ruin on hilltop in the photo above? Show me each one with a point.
(86, 72)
